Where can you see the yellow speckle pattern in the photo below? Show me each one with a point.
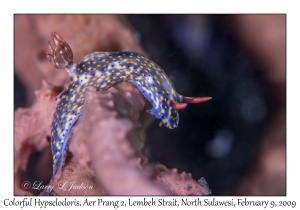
(102, 70)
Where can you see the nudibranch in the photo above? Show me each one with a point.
(102, 70)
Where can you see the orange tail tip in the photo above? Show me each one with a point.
(187, 100)
(196, 100)
(178, 105)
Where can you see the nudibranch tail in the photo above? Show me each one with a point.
(67, 113)
(61, 56)
(57, 166)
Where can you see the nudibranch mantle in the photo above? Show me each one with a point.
(103, 70)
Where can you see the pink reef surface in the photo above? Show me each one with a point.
(105, 154)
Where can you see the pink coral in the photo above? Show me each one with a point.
(104, 155)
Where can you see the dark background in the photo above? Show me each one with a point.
(216, 140)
